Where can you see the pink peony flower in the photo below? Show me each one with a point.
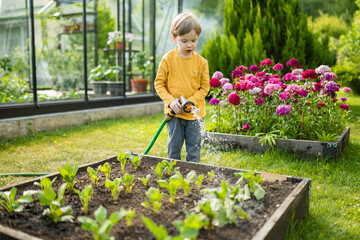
(246, 127)
(292, 63)
(217, 75)
(227, 87)
(260, 74)
(343, 99)
(302, 92)
(236, 73)
(323, 69)
(309, 74)
(234, 99)
(289, 76)
(214, 83)
(271, 87)
(266, 62)
(224, 80)
(254, 68)
(297, 71)
(331, 87)
(292, 88)
(283, 110)
(278, 66)
(346, 89)
(344, 106)
(214, 101)
(284, 96)
(255, 90)
(242, 68)
(259, 101)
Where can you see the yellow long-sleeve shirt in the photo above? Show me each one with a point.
(179, 76)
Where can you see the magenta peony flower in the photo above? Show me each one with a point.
(259, 101)
(246, 127)
(236, 73)
(309, 74)
(331, 87)
(214, 101)
(271, 87)
(214, 83)
(234, 99)
(302, 92)
(343, 99)
(254, 68)
(344, 106)
(242, 68)
(266, 62)
(217, 75)
(289, 76)
(284, 96)
(321, 105)
(260, 74)
(283, 110)
(227, 87)
(278, 66)
(346, 89)
(292, 63)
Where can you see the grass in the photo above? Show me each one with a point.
(335, 190)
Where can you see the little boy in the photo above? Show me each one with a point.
(182, 72)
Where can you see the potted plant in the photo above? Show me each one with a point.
(145, 66)
(100, 77)
(116, 37)
(115, 86)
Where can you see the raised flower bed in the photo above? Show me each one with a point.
(284, 107)
(268, 218)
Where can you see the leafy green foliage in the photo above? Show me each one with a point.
(209, 208)
(145, 180)
(172, 186)
(127, 179)
(55, 212)
(159, 170)
(68, 174)
(190, 226)
(159, 231)
(122, 159)
(93, 174)
(211, 175)
(330, 25)
(85, 196)
(45, 183)
(170, 166)
(106, 169)
(11, 204)
(199, 181)
(154, 197)
(254, 181)
(135, 160)
(129, 215)
(101, 226)
(326, 136)
(114, 186)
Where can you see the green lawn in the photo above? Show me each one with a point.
(335, 189)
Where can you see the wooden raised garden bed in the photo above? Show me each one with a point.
(285, 198)
(302, 148)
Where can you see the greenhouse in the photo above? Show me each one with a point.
(179, 119)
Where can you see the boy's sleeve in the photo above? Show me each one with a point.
(204, 86)
(161, 81)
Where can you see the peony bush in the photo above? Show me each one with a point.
(267, 101)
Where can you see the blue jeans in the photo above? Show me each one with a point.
(179, 130)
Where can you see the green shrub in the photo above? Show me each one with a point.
(330, 25)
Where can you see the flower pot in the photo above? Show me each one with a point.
(75, 28)
(66, 29)
(99, 87)
(116, 88)
(119, 45)
(139, 85)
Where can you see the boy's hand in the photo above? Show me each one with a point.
(176, 106)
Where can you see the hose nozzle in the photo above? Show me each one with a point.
(186, 105)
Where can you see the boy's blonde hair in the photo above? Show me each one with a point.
(183, 24)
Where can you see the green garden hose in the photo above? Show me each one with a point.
(23, 174)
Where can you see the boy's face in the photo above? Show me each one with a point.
(186, 43)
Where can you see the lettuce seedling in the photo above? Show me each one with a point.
(237, 193)
(145, 180)
(115, 187)
(221, 195)
(68, 174)
(172, 186)
(210, 209)
(93, 174)
(85, 196)
(122, 159)
(211, 175)
(154, 197)
(199, 181)
(254, 181)
(159, 170)
(45, 183)
(12, 205)
(55, 212)
(190, 226)
(127, 180)
(185, 183)
(129, 215)
(106, 169)
(159, 232)
(170, 166)
(100, 226)
(228, 213)
(135, 160)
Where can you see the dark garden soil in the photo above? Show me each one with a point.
(33, 223)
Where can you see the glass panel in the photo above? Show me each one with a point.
(14, 58)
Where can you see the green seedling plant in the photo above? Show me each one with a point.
(94, 174)
(129, 214)
(228, 213)
(11, 204)
(190, 226)
(68, 173)
(145, 180)
(122, 159)
(159, 170)
(85, 196)
(127, 179)
(135, 160)
(210, 209)
(159, 232)
(185, 183)
(238, 193)
(211, 175)
(221, 195)
(55, 212)
(170, 167)
(101, 226)
(171, 186)
(154, 195)
(254, 182)
(45, 183)
(106, 169)
(115, 187)
(199, 181)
